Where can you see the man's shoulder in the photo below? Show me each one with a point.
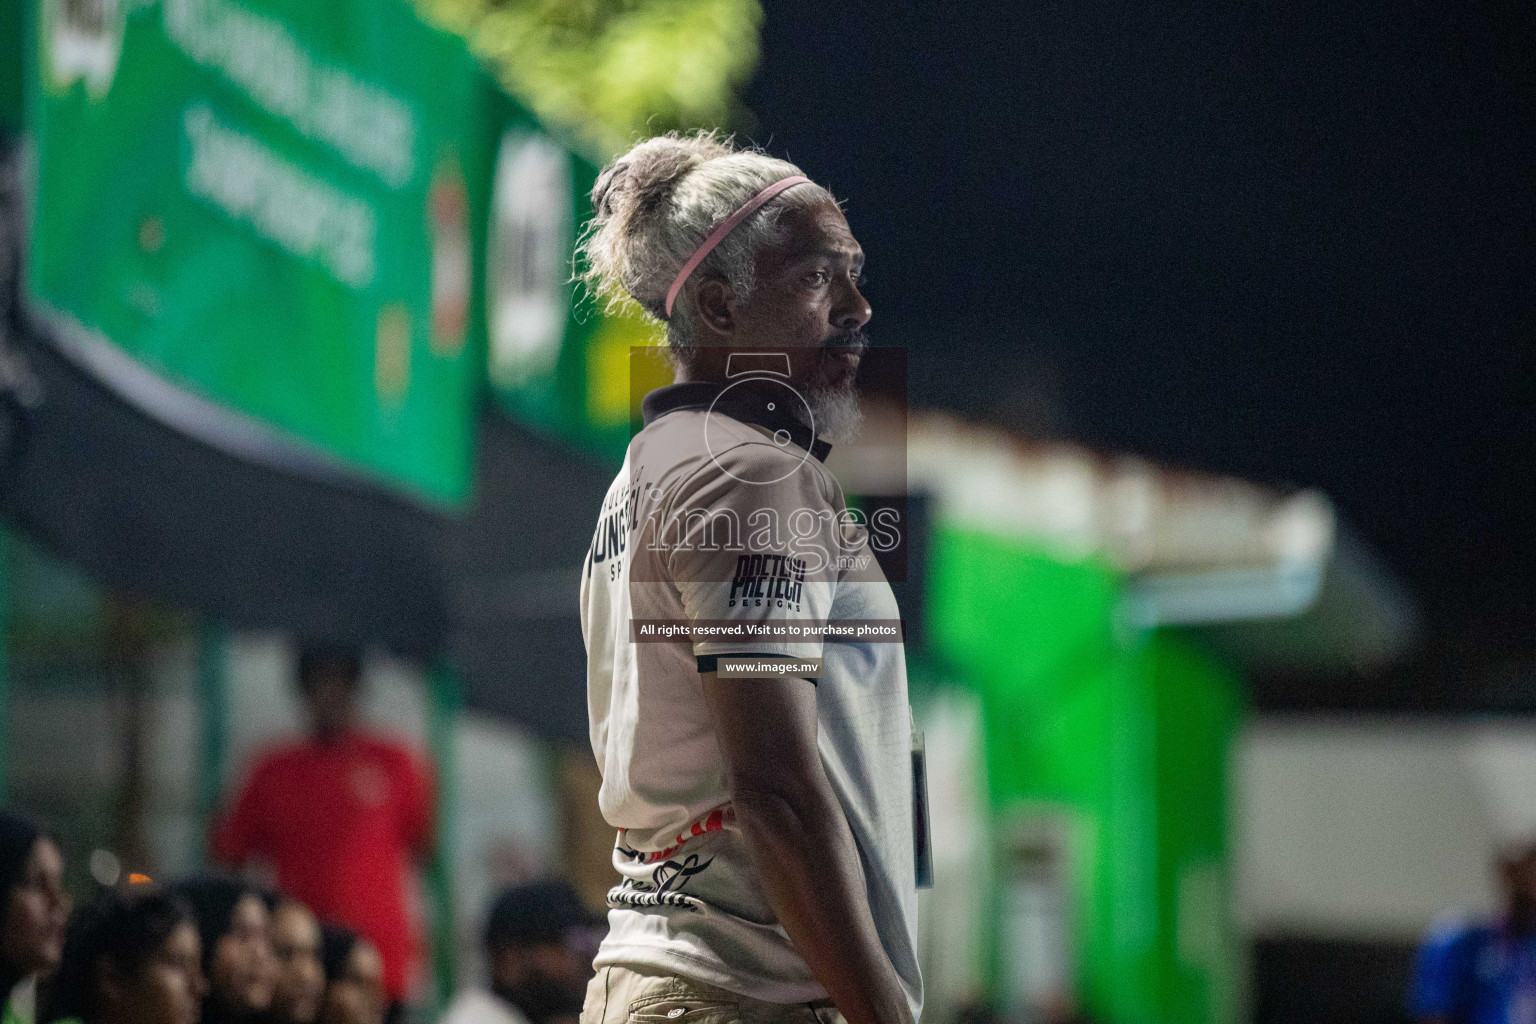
(745, 458)
(1457, 934)
(1452, 963)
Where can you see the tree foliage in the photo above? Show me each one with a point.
(616, 70)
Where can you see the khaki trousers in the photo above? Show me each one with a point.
(641, 995)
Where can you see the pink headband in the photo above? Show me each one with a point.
(724, 228)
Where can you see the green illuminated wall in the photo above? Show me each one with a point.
(1110, 746)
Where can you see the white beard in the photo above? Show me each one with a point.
(836, 413)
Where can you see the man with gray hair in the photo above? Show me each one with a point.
(755, 755)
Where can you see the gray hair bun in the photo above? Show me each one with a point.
(653, 206)
(640, 181)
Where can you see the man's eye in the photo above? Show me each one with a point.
(819, 277)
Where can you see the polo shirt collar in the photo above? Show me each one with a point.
(704, 394)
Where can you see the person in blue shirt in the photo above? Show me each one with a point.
(1483, 972)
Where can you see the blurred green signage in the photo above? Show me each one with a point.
(11, 22)
(556, 360)
(276, 205)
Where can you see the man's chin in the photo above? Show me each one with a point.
(838, 415)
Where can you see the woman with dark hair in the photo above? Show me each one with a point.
(237, 955)
(131, 957)
(33, 911)
(296, 948)
(354, 978)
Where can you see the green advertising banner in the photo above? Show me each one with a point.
(557, 360)
(272, 206)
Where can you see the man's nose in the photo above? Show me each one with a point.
(853, 311)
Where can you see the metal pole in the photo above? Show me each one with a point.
(213, 705)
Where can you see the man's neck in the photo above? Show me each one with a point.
(328, 737)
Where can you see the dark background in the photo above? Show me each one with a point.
(1286, 241)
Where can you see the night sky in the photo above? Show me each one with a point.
(1289, 241)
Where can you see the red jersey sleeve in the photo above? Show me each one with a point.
(417, 793)
(238, 833)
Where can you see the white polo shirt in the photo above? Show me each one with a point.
(724, 514)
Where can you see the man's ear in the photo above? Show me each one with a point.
(716, 304)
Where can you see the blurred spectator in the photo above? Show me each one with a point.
(354, 979)
(300, 976)
(131, 957)
(237, 957)
(1483, 972)
(340, 815)
(33, 911)
(539, 940)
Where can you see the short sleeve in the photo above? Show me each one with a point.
(751, 546)
(1443, 972)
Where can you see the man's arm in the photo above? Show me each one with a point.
(800, 843)
(418, 796)
(235, 835)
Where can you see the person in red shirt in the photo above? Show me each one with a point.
(342, 816)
